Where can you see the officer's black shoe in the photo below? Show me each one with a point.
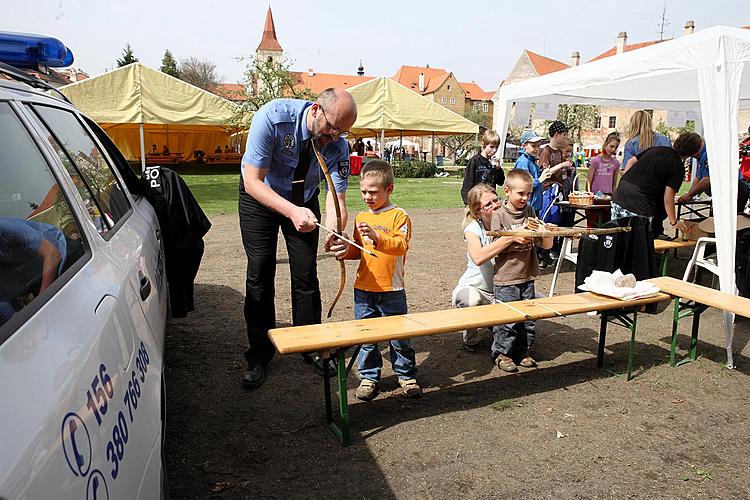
(317, 364)
(254, 377)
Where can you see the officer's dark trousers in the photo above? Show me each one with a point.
(260, 230)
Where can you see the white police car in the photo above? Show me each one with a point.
(82, 299)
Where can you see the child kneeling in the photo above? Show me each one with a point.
(516, 268)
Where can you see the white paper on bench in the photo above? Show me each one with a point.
(603, 283)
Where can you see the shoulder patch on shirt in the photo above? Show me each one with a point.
(288, 143)
(344, 168)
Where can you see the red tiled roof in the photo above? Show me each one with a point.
(544, 65)
(269, 41)
(408, 76)
(475, 92)
(318, 82)
(231, 91)
(628, 48)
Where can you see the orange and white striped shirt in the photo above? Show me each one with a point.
(384, 273)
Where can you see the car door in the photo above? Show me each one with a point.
(81, 369)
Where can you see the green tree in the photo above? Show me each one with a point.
(674, 132)
(482, 119)
(265, 81)
(127, 57)
(577, 117)
(169, 65)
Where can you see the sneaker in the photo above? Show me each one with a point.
(367, 390)
(554, 255)
(543, 264)
(410, 387)
(528, 362)
(505, 363)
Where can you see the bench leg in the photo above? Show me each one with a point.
(631, 348)
(665, 263)
(602, 339)
(341, 431)
(675, 320)
(687, 309)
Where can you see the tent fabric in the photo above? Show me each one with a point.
(707, 72)
(386, 105)
(173, 112)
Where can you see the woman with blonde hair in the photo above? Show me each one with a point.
(641, 136)
(475, 286)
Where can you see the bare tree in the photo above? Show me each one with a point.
(199, 72)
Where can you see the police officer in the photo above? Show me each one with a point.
(279, 189)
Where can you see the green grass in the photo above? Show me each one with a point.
(217, 192)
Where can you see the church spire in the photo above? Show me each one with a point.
(269, 41)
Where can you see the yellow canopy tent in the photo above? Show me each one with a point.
(139, 107)
(388, 109)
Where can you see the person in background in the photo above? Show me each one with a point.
(165, 150)
(475, 286)
(640, 137)
(226, 148)
(379, 287)
(653, 179)
(480, 169)
(516, 268)
(702, 182)
(369, 146)
(217, 150)
(359, 147)
(561, 169)
(154, 150)
(604, 167)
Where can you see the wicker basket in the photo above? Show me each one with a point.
(580, 197)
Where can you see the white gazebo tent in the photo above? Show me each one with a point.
(706, 72)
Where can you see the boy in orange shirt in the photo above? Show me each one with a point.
(384, 229)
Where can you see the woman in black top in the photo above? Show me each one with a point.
(655, 178)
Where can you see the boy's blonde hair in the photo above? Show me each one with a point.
(641, 125)
(517, 175)
(490, 137)
(378, 170)
(473, 203)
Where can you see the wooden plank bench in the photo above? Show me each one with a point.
(691, 300)
(328, 337)
(664, 246)
(338, 336)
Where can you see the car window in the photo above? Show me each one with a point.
(39, 236)
(108, 196)
(129, 176)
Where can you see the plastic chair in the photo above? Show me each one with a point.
(700, 259)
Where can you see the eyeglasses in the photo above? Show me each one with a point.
(331, 128)
(490, 204)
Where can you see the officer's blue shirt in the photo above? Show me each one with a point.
(701, 170)
(633, 146)
(273, 146)
(527, 162)
(18, 236)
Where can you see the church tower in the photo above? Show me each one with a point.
(269, 48)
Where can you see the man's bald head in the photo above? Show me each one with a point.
(340, 108)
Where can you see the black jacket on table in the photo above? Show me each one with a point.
(183, 225)
(479, 169)
(631, 252)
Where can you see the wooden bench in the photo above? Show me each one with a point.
(328, 337)
(338, 336)
(664, 246)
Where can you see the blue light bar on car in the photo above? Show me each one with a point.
(32, 51)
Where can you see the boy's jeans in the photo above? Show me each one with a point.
(513, 338)
(403, 356)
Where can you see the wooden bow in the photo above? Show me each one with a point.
(339, 225)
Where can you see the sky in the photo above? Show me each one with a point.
(478, 42)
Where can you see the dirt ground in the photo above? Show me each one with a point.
(563, 430)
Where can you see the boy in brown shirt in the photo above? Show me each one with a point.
(516, 268)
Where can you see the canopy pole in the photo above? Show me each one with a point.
(382, 144)
(401, 144)
(432, 148)
(143, 150)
